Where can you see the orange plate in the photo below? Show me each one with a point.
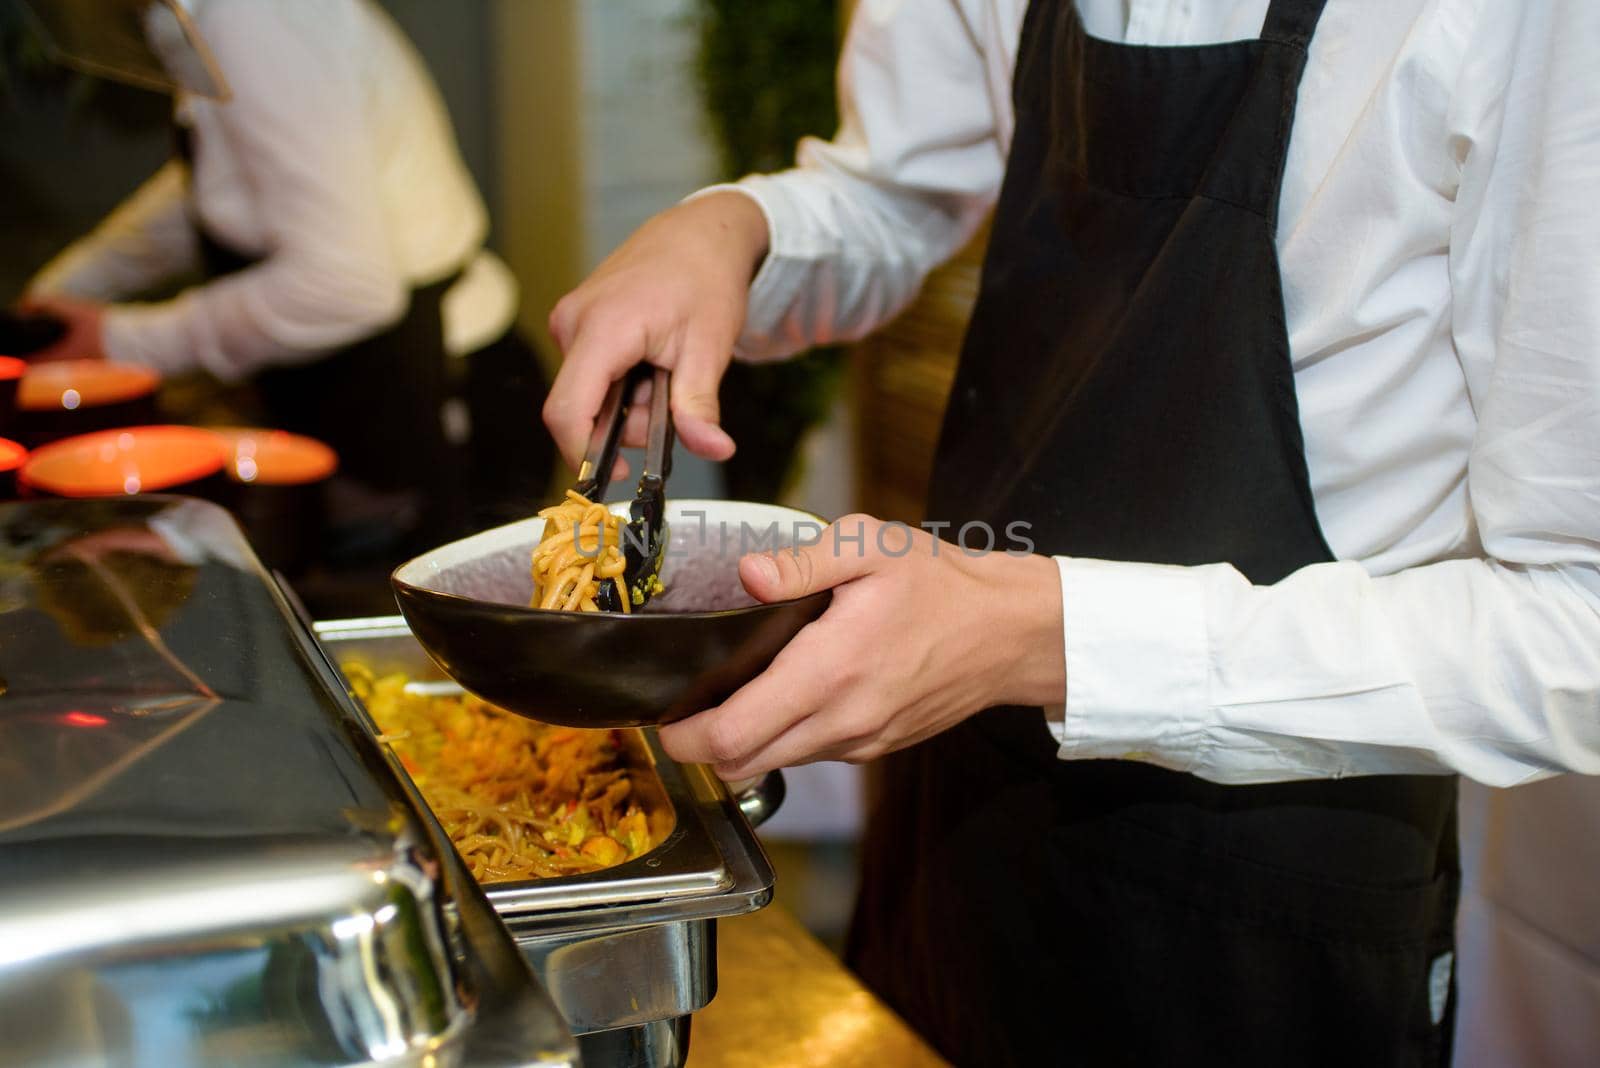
(12, 456)
(112, 463)
(276, 457)
(71, 384)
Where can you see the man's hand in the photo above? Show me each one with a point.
(672, 295)
(84, 320)
(920, 635)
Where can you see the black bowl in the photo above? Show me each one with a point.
(692, 646)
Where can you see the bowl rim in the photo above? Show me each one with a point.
(402, 586)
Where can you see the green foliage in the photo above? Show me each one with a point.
(766, 74)
(766, 71)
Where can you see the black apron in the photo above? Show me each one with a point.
(1125, 387)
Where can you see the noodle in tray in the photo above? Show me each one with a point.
(520, 799)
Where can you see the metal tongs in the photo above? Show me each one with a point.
(644, 538)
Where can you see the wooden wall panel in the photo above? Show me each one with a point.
(901, 380)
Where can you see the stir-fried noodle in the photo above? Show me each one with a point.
(581, 548)
(520, 799)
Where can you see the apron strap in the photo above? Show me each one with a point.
(1292, 22)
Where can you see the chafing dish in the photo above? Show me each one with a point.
(626, 953)
(204, 857)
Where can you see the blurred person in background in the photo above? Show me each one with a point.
(341, 242)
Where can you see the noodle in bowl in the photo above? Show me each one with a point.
(579, 550)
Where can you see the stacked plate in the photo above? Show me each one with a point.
(278, 494)
(12, 454)
(70, 397)
(128, 461)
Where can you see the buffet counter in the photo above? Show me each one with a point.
(216, 857)
(783, 993)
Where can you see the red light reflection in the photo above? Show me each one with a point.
(83, 719)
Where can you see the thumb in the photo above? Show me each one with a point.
(846, 551)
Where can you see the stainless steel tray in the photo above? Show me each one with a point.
(633, 947)
(204, 861)
(709, 865)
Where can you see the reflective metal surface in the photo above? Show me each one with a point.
(204, 858)
(659, 1044)
(626, 978)
(761, 797)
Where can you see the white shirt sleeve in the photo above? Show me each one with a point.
(297, 133)
(1486, 666)
(913, 171)
(147, 240)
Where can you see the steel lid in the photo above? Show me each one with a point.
(203, 859)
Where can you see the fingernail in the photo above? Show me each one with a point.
(768, 568)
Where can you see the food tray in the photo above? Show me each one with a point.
(626, 953)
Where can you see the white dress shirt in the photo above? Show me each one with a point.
(336, 164)
(1440, 249)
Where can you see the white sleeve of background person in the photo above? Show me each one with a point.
(147, 240)
(1487, 666)
(916, 164)
(296, 126)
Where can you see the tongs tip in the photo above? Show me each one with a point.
(644, 538)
